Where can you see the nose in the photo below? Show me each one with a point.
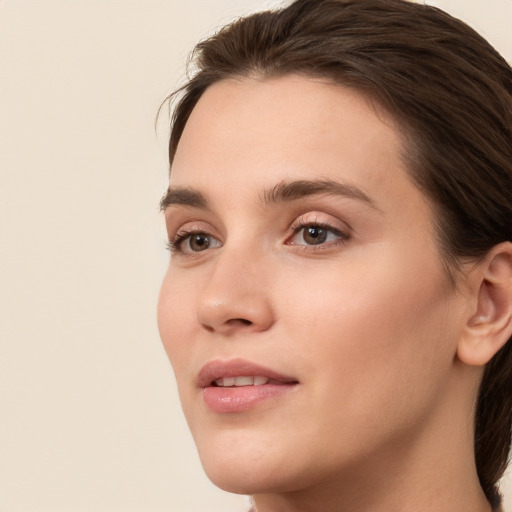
(236, 298)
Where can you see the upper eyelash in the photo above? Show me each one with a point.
(303, 222)
(328, 227)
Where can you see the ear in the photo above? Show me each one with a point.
(489, 323)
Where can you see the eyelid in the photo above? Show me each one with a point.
(320, 219)
(339, 228)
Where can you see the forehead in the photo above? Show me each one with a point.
(249, 134)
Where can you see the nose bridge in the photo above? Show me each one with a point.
(236, 295)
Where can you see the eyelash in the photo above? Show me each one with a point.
(174, 244)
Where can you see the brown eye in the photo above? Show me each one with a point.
(314, 235)
(321, 235)
(189, 242)
(199, 242)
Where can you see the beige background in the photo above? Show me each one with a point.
(89, 416)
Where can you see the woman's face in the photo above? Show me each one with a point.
(303, 259)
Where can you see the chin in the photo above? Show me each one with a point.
(236, 482)
(250, 465)
(250, 479)
(236, 469)
(241, 465)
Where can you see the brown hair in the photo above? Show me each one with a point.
(451, 94)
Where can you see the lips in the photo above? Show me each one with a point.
(238, 385)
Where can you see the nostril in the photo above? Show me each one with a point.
(242, 321)
(228, 325)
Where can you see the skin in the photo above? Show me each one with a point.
(367, 322)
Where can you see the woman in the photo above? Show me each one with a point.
(338, 304)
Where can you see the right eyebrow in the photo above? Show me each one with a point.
(184, 196)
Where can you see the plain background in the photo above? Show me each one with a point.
(90, 420)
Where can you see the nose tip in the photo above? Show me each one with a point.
(235, 296)
(229, 315)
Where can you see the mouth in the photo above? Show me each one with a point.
(238, 385)
(239, 373)
(234, 382)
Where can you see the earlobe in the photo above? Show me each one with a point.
(489, 325)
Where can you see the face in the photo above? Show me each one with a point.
(305, 310)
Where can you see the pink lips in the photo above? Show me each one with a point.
(232, 393)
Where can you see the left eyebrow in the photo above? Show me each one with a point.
(292, 190)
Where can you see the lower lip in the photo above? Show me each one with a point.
(243, 398)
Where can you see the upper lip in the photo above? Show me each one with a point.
(217, 369)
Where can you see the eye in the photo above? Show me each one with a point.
(317, 234)
(195, 241)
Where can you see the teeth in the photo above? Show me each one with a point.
(241, 381)
(244, 381)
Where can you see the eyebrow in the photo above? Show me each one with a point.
(292, 190)
(284, 191)
(184, 196)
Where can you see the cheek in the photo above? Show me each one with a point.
(373, 337)
(175, 315)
